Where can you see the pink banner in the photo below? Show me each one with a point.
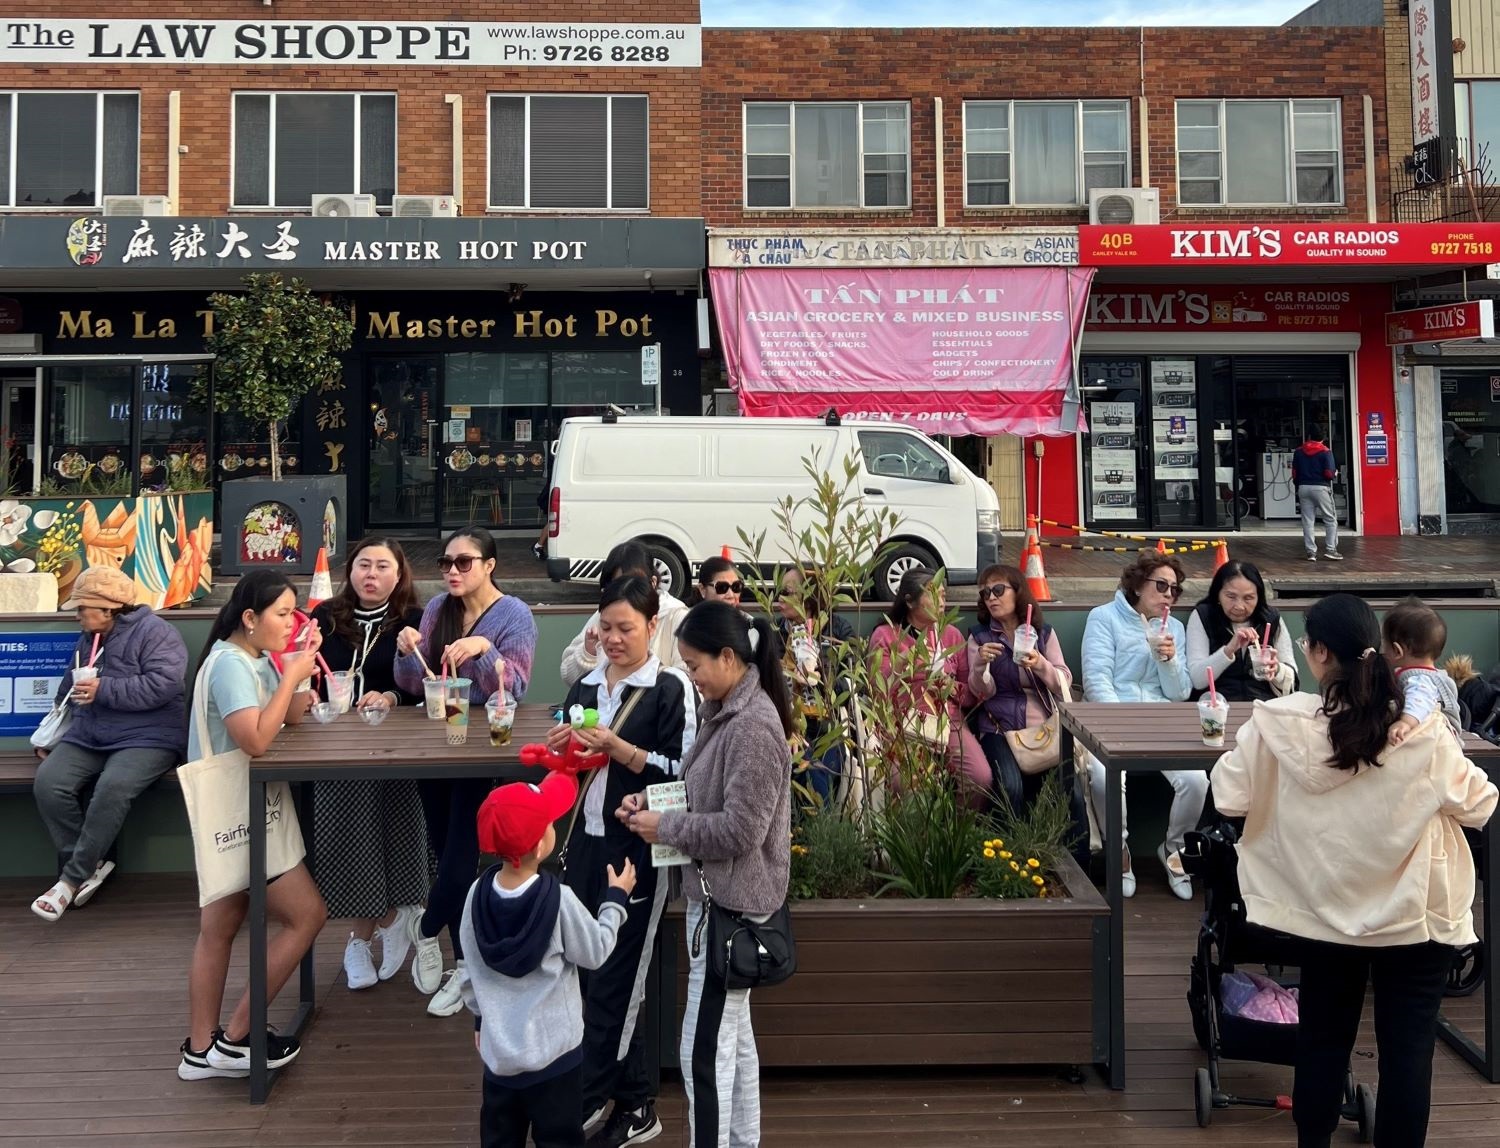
(951, 350)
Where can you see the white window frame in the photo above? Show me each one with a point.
(1080, 199)
(609, 152)
(859, 121)
(275, 93)
(1326, 105)
(9, 203)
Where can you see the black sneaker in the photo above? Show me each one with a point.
(195, 1065)
(628, 1126)
(235, 1054)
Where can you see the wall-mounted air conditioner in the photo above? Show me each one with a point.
(1117, 206)
(424, 206)
(339, 206)
(141, 205)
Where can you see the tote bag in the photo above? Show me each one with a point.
(49, 734)
(216, 790)
(1038, 748)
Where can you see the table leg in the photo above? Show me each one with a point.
(1114, 817)
(260, 1084)
(307, 975)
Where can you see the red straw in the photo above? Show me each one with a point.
(95, 653)
(1212, 697)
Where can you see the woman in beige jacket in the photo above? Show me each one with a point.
(1357, 848)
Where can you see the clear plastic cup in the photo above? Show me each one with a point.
(85, 674)
(324, 712)
(1213, 717)
(432, 692)
(1024, 641)
(456, 719)
(374, 715)
(500, 715)
(1260, 663)
(341, 689)
(1157, 634)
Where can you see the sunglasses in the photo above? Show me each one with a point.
(463, 563)
(734, 587)
(987, 593)
(1165, 587)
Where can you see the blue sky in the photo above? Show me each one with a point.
(991, 13)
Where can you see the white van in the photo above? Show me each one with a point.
(684, 487)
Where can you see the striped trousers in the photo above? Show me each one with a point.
(720, 1067)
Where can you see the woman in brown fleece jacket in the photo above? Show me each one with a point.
(738, 827)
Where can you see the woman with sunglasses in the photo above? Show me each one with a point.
(1225, 634)
(490, 638)
(1010, 688)
(1126, 658)
(718, 581)
(1357, 848)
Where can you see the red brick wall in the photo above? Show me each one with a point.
(1030, 63)
(424, 121)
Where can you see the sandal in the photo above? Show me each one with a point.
(51, 905)
(86, 891)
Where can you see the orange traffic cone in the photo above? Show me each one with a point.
(1221, 554)
(1033, 541)
(322, 585)
(1036, 576)
(1161, 546)
(724, 554)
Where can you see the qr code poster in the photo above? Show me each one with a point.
(32, 666)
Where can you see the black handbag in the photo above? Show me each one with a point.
(743, 953)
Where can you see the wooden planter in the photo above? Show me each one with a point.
(901, 982)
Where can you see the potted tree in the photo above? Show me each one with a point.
(273, 343)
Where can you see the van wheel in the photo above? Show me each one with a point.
(671, 572)
(895, 566)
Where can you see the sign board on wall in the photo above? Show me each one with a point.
(351, 43)
(1209, 307)
(873, 247)
(1430, 28)
(1472, 320)
(1290, 245)
(32, 665)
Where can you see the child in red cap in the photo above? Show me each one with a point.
(526, 936)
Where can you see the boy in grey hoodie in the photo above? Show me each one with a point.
(526, 936)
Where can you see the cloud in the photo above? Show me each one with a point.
(989, 13)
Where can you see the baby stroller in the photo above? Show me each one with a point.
(1226, 939)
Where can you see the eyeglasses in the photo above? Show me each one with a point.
(987, 593)
(728, 587)
(1165, 587)
(463, 563)
(784, 592)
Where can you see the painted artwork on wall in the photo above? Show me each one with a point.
(162, 541)
(272, 535)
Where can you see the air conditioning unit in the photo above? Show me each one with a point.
(342, 206)
(1115, 206)
(141, 205)
(424, 206)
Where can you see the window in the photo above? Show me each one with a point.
(569, 153)
(1259, 152)
(1044, 153)
(827, 155)
(1478, 122)
(892, 454)
(292, 146)
(68, 149)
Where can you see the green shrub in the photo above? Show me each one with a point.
(830, 859)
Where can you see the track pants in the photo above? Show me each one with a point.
(720, 1067)
(548, 1109)
(614, 1043)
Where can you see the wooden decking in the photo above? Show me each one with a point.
(92, 1010)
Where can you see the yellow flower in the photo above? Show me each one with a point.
(1033, 863)
(988, 852)
(1014, 866)
(999, 844)
(1004, 855)
(1037, 881)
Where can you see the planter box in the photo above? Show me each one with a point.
(965, 982)
(162, 541)
(281, 524)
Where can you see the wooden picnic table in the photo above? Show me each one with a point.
(1136, 737)
(408, 744)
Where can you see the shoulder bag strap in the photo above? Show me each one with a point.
(200, 703)
(617, 725)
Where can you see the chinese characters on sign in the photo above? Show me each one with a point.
(1425, 117)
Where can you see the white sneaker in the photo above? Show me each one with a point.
(1178, 881)
(359, 965)
(427, 965)
(395, 941)
(448, 999)
(596, 1119)
(1127, 878)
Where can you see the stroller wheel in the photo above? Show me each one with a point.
(1467, 973)
(1203, 1097)
(1364, 1096)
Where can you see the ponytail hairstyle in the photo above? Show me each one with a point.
(1362, 697)
(448, 626)
(636, 592)
(711, 627)
(257, 592)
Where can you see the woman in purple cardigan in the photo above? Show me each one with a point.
(491, 638)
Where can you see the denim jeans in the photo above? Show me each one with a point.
(1317, 502)
(83, 833)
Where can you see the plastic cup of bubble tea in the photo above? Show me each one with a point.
(456, 719)
(1024, 641)
(1213, 717)
(432, 693)
(501, 717)
(83, 674)
(341, 689)
(1158, 633)
(324, 712)
(1260, 663)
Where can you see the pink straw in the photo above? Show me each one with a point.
(324, 664)
(1028, 615)
(1212, 697)
(93, 656)
(1166, 612)
(1265, 643)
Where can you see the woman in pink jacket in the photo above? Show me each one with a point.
(1357, 848)
(926, 669)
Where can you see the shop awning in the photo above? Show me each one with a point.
(983, 351)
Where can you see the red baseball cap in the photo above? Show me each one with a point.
(514, 818)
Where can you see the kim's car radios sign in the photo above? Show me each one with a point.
(362, 43)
